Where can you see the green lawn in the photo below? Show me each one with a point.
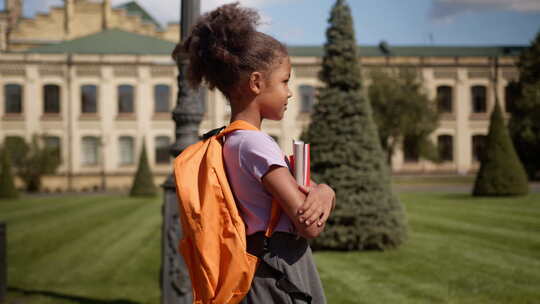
(84, 249)
(106, 249)
(409, 180)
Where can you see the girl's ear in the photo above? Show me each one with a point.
(256, 82)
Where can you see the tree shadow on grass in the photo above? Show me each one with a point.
(74, 298)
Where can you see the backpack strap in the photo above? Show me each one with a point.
(275, 213)
(237, 125)
(211, 133)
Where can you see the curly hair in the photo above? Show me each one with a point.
(224, 47)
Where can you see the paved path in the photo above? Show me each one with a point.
(457, 188)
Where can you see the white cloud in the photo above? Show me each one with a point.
(446, 10)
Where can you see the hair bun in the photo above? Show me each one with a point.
(224, 44)
(220, 37)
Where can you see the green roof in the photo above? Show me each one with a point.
(133, 8)
(113, 41)
(421, 51)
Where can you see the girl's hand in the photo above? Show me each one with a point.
(283, 187)
(318, 204)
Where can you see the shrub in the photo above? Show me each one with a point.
(501, 172)
(143, 183)
(7, 185)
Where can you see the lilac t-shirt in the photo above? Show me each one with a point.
(248, 155)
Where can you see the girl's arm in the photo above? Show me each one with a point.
(311, 210)
(282, 185)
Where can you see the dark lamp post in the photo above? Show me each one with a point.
(190, 10)
(187, 115)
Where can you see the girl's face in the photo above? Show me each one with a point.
(276, 93)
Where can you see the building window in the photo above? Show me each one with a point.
(51, 99)
(478, 147)
(13, 98)
(479, 103)
(307, 97)
(126, 150)
(90, 150)
(446, 147)
(126, 96)
(162, 150)
(410, 149)
(511, 93)
(53, 144)
(89, 99)
(444, 99)
(162, 98)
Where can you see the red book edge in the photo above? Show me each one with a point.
(308, 165)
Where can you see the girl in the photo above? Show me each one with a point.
(252, 70)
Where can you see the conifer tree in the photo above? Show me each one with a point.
(7, 185)
(524, 124)
(501, 172)
(143, 183)
(346, 153)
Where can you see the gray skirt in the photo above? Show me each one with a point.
(286, 272)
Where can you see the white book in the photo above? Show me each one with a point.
(300, 162)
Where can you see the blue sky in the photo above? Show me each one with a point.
(399, 22)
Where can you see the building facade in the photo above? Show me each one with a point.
(75, 19)
(105, 86)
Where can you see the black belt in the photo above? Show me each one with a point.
(261, 246)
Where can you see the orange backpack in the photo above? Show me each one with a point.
(214, 236)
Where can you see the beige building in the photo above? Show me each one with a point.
(77, 18)
(98, 82)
